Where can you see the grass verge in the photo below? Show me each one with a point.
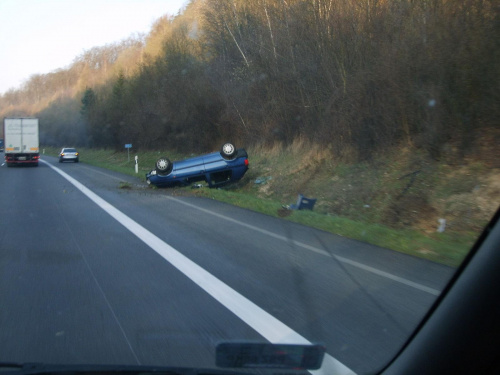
(446, 248)
(438, 247)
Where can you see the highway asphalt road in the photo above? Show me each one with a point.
(91, 272)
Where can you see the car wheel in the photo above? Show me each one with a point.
(228, 150)
(163, 166)
(76, 161)
(60, 160)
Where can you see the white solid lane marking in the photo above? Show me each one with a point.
(265, 324)
(387, 275)
(353, 263)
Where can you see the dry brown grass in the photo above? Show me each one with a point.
(381, 190)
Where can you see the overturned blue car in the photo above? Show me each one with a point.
(217, 169)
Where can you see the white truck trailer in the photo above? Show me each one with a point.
(21, 141)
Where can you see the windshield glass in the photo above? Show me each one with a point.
(249, 172)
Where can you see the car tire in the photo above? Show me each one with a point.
(60, 160)
(163, 166)
(76, 161)
(228, 150)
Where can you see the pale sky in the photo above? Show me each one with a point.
(41, 36)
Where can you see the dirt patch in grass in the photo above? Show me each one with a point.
(283, 212)
(412, 210)
(125, 185)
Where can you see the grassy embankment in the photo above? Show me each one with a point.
(393, 201)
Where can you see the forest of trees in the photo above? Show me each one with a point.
(356, 76)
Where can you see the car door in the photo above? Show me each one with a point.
(217, 169)
(190, 169)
